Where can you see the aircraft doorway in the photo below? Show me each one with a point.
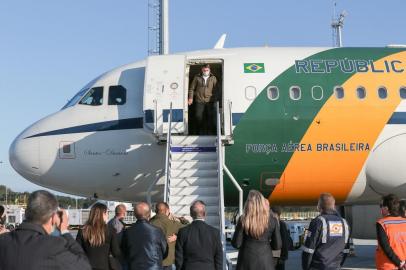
(202, 114)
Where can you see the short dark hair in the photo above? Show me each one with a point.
(41, 206)
(206, 66)
(2, 210)
(402, 208)
(161, 207)
(277, 210)
(326, 202)
(198, 209)
(391, 201)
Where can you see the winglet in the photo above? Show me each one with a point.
(220, 42)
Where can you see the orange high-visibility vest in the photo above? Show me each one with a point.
(395, 229)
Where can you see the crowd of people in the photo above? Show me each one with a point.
(165, 242)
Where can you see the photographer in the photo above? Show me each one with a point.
(31, 246)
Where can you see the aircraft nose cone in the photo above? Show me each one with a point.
(24, 157)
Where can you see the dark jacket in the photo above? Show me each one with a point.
(168, 227)
(326, 243)
(99, 256)
(255, 254)
(198, 247)
(144, 246)
(30, 247)
(201, 91)
(286, 240)
(118, 226)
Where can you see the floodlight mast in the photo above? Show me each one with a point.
(337, 26)
(158, 27)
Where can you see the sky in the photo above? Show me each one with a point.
(50, 49)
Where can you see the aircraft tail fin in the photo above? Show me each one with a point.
(220, 42)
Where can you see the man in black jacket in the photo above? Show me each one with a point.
(198, 246)
(30, 246)
(285, 237)
(144, 245)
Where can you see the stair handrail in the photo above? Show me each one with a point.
(168, 154)
(230, 111)
(237, 186)
(220, 183)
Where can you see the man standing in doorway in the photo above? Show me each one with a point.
(205, 93)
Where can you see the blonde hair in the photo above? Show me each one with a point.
(95, 228)
(255, 219)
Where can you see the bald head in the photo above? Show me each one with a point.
(198, 210)
(121, 210)
(142, 211)
(326, 202)
(162, 208)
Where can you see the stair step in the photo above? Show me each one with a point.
(194, 164)
(194, 190)
(184, 210)
(193, 173)
(193, 181)
(194, 140)
(188, 200)
(194, 156)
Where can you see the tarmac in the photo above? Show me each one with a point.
(363, 259)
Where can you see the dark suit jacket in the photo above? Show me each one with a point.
(30, 247)
(144, 246)
(198, 247)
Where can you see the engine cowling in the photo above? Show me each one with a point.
(386, 166)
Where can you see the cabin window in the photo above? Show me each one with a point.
(317, 92)
(382, 92)
(402, 92)
(94, 97)
(273, 92)
(339, 92)
(295, 93)
(250, 92)
(117, 95)
(361, 93)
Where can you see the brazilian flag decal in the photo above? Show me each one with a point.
(254, 68)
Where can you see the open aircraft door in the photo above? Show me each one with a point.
(164, 83)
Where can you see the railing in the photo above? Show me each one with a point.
(168, 155)
(237, 186)
(221, 184)
(230, 104)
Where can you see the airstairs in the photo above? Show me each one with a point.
(194, 171)
(193, 175)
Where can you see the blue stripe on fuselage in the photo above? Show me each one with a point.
(130, 123)
(397, 118)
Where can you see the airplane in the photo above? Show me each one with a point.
(296, 122)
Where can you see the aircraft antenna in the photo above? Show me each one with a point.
(158, 27)
(337, 26)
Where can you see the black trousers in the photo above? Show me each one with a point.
(205, 116)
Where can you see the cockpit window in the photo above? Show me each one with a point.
(117, 95)
(76, 98)
(94, 97)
